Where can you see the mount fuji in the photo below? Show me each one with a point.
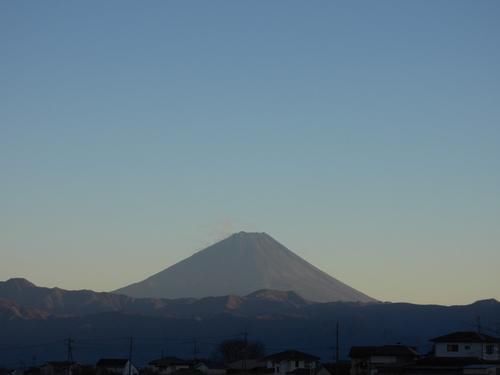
(239, 265)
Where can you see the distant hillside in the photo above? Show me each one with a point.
(54, 302)
(9, 310)
(21, 299)
(35, 321)
(242, 264)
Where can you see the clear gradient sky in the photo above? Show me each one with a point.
(363, 135)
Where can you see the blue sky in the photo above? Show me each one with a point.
(363, 135)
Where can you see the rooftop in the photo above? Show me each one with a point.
(169, 361)
(466, 336)
(112, 362)
(293, 355)
(386, 350)
(60, 363)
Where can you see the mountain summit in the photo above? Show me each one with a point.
(239, 265)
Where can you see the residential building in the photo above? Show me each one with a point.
(249, 366)
(334, 368)
(115, 366)
(168, 365)
(291, 360)
(467, 344)
(60, 368)
(208, 367)
(368, 360)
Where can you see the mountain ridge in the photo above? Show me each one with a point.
(277, 318)
(34, 302)
(26, 300)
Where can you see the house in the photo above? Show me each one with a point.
(252, 366)
(209, 367)
(115, 366)
(467, 344)
(291, 360)
(187, 371)
(369, 360)
(33, 370)
(445, 365)
(60, 368)
(168, 365)
(333, 368)
(457, 353)
(481, 369)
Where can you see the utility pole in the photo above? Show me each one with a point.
(337, 349)
(245, 351)
(195, 349)
(478, 323)
(69, 349)
(165, 348)
(131, 346)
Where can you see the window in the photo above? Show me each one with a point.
(452, 348)
(296, 363)
(467, 347)
(489, 349)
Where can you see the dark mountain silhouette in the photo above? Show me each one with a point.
(27, 301)
(240, 265)
(55, 302)
(34, 322)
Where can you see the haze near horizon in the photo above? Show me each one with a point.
(363, 136)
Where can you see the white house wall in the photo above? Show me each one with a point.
(130, 369)
(477, 350)
(383, 359)
(288, 366)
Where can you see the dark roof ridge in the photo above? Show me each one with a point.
(291, 354)
(466, 336)
(384, 350)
